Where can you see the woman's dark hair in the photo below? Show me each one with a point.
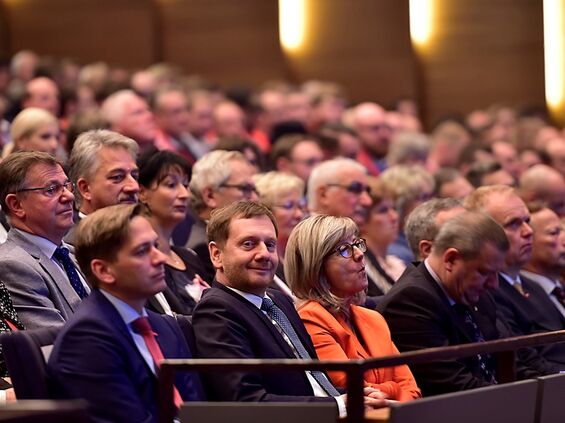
(153, 165)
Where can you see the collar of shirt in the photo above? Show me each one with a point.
(437, 279)
(510, 280)
(81, 215)
(46, 246)
(547, 284)
(126, 312)
(256, 300)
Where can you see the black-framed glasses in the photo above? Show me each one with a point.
(52, 190)
(292, 205)
(354, 187)
(346, 249)
(246, 189)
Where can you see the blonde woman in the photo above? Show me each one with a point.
(325, 269)
(33, 129)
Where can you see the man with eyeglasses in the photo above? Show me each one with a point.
(219, 178)
(339, 187)
(35, 265)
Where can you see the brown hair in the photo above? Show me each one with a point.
(101, 234)
(219, 225)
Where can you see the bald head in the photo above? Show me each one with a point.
(542, 183)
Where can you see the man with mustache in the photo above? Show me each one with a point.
(102, 166)
(36, 266)
(524, 306)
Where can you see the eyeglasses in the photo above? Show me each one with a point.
(346, 250)
(311, 162)
(246, 189)
(51, 191)
(292, 205)
(354, 187)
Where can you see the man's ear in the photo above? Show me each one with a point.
(84, 189)
(102, 270)
(321, 196)
(425, 248)
(209, 198)
(215, 255)
(450, 256)
(14, 205)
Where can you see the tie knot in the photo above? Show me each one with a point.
(267, 304)
(141, 325)
(61, 253)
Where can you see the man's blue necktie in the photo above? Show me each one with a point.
(62, 256)
(278, 316)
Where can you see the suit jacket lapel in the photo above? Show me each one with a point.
(54, 272)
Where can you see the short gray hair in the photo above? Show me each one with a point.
(210, 171)
(84, 162)
(469, 232)
(113, 107)
(421, 222)
(327, 172)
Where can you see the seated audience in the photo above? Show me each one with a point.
(283, 193)
(163, 178)
(450, 183)
(442, 302)
(35, 265)
(326, 270)
(240, 318)
(296, 154)
(379, 231)
(107, 353)
(523, 305)
(545, 184)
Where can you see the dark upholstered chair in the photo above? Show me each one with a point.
(26, 354)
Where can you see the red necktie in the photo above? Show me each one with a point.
(142, 326)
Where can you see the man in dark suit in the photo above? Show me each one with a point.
(36, 267)
(110, 349)
(522, 304)
(235, 319)
(442, 302)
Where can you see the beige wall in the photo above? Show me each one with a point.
(483, 51)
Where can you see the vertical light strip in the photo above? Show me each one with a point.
(553, 32)
(291, 23)
(421, 19)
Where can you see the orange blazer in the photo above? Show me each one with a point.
(334, 340)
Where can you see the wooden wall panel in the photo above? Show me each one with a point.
(224, 40)
(117, 31)
(483, 52)
(362, 44)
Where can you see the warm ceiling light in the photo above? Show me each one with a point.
(553, 51)
(291, 23)
(421, 16)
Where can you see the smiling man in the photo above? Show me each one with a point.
(441, 302)
(240, 318)
(35, 265)
(117, 249)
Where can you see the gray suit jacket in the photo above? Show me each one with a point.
(40, 290)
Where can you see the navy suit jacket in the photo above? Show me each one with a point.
(96, 358)
(226, 325)
(419, 315)
(534, 313)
